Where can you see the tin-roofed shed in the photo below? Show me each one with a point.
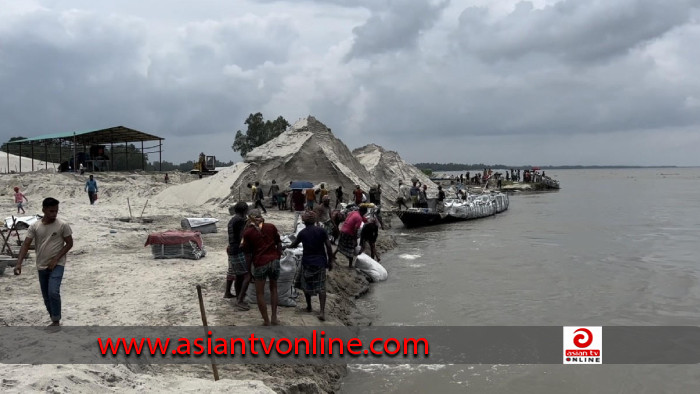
(88, 147)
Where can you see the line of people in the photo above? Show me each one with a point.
(255, 249)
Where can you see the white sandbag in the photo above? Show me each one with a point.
(370, 267)
(203, 225)
(286, 293)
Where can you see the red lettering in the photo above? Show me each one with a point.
(354, 342)
(158, 345)
(198, 346)
(289, 346)
(252, 345)
(266, 349)
(296, 345)
(371, 346)
(397, 347)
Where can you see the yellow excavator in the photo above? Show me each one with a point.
(205, 165)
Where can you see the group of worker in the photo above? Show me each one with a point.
(255, 246)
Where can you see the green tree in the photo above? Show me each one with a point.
(259, 132)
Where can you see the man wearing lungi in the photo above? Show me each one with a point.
(237, 265)
(348, 234)
(262, 247)
(317, 257)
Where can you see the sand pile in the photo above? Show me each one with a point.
(387, 167)
(307, 151)
(214, 190)
(25, 162)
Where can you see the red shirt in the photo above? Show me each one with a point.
(261, 244)
(358, 196)
(352, 223)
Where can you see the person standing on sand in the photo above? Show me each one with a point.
(275, 191)
(18, 199)
(310, 198)
(259, 196)
(238, 274)
(54, 238)
(322, 193)
(358, 193)
(317, 257)
(323, 214)
(298, 201)
(262, 247)
(369, 235)
(347, 241)
(91, 189)
(338, 196)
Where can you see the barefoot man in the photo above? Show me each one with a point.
(317, 257)
(262, 248)
(53, 240)
(348, 234)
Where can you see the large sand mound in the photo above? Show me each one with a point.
(387, 167)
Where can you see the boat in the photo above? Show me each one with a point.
(455, 210)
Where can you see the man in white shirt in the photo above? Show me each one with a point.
(404, 195)
(54, 239)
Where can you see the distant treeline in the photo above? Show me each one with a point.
(481, 166)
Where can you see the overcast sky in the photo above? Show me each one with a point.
(541, 82)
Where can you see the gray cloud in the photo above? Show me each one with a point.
(394, 28)
(580, 82)
(572, 30)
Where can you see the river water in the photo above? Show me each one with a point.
(612, 247)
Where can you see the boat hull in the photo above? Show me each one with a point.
(455, 211)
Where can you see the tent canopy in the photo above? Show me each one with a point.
(102, 136)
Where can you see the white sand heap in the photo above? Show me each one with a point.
(208, 190)
(387, 168)
(306, 151)
(15, 162)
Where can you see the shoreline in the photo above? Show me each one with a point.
(112, 279)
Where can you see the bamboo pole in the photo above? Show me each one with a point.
(204, 321)
(144, 209)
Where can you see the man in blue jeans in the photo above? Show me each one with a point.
(53, 240)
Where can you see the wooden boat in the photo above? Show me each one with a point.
(475, 207)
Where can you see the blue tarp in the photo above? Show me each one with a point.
(302, 185)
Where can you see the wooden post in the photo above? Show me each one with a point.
(204, 321)
(144, 209)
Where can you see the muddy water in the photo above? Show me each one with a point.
(612, 247)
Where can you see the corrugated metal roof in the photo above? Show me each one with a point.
(104, 136)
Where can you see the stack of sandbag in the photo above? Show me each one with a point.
(371, 268)
(176, 245)
(286, 293)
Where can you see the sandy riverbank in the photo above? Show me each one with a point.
(112, 279)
